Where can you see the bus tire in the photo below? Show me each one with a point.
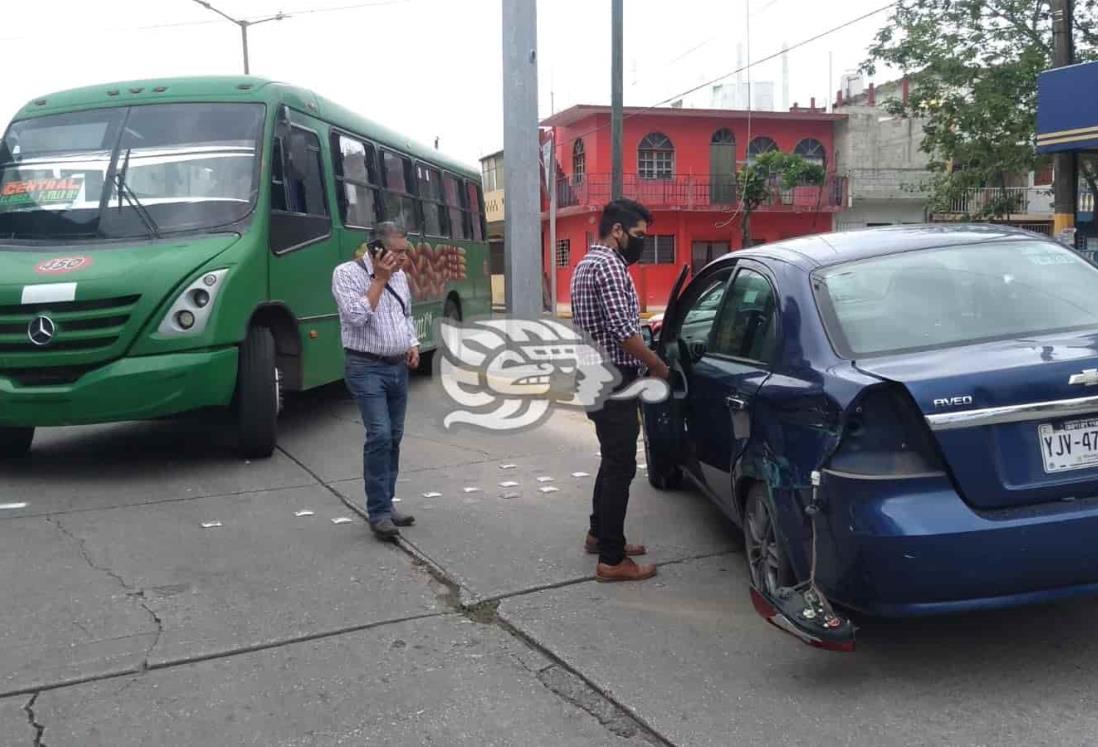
(257, 395)
(15, 442)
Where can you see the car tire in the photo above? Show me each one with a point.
(663, 474)
(768, 564)
(15, 442)
(257, 395)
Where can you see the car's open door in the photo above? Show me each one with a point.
(663, 420)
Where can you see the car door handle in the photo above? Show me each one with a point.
(736, 403)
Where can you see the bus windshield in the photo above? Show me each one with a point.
(129, 171)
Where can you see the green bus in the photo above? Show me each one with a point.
(168, 246)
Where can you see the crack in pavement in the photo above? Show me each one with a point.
(180, 499)
(134, 593)
(570, 685)
(572, 689)
(39, 729)
(225, 654)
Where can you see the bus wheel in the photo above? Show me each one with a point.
(257, 395)
(15, 442)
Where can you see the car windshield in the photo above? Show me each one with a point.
(127, 172)
(958, 295)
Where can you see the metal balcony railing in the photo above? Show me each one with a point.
(699, 192)
(998, 201)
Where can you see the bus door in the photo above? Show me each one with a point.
(303, 247)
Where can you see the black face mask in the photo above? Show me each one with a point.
(631, 252)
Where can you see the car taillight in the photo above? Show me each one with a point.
(886, 434)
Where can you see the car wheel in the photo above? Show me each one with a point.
(15, 442)
(767, 561)
(258, 395)
(663, 474)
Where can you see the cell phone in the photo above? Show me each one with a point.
(377, 249)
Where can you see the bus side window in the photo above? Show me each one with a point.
(398, 201)
(430, 196)
(476, 210)
(452, 193)
(278, 181)
(357, 181)
(302, 217)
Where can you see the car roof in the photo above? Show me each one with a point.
(822, 250)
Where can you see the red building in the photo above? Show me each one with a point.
(681, 163)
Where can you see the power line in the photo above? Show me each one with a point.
(750, 64)
(184, 24)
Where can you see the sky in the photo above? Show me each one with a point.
(433, 68)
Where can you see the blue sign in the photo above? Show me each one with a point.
(1067, 109)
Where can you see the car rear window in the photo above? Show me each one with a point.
(952, 296)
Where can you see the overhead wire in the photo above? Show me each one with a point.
(729, 74)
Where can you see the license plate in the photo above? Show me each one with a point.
(1068, 446)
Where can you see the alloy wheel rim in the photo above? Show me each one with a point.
(763, 553)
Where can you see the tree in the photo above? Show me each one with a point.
(974, 66)
(760, 179)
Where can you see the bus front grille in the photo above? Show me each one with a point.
(73, 325)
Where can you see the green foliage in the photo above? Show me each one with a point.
(761, 180)
(974, 66)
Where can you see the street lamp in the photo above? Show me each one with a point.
(243, 26)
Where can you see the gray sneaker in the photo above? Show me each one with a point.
(385, 529)
(403, 520)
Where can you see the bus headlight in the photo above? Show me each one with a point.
(190, 313)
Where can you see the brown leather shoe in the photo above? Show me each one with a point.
(626, 570)
(591, 545)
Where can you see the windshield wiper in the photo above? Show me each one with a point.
(125, 190)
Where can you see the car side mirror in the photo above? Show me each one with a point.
(282, 122)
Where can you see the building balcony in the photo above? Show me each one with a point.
(1001, 202)
(699, 192)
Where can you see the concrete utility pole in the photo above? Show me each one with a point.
(616, 179)
(244, 26)
(1064, 186)
(521, 147)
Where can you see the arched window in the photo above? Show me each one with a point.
(579, 162)
(656, 157)
(758, 146)
(723, 137)
(812, 150)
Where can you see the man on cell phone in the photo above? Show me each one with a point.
(379, 339)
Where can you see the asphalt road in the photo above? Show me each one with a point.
(125, 621)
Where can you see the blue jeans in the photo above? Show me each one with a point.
(381, 391)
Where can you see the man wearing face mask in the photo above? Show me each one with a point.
(605, 305)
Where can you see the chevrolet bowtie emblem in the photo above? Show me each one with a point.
(1089, 377)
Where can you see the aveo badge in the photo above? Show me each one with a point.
(61, 265)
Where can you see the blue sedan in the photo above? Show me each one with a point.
(942, 381)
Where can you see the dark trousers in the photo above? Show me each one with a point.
(381, 391)
(617, 425)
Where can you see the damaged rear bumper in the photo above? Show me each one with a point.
(914, 547)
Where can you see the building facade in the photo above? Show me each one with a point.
(681, 163)
(1067, 122)
(491, 168)
(880, 155)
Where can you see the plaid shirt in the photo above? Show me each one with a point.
(381, 330)
(605, 304)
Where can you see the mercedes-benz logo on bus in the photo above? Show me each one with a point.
(41, 331)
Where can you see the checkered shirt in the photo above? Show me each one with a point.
(605, 303)
(381, 330)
